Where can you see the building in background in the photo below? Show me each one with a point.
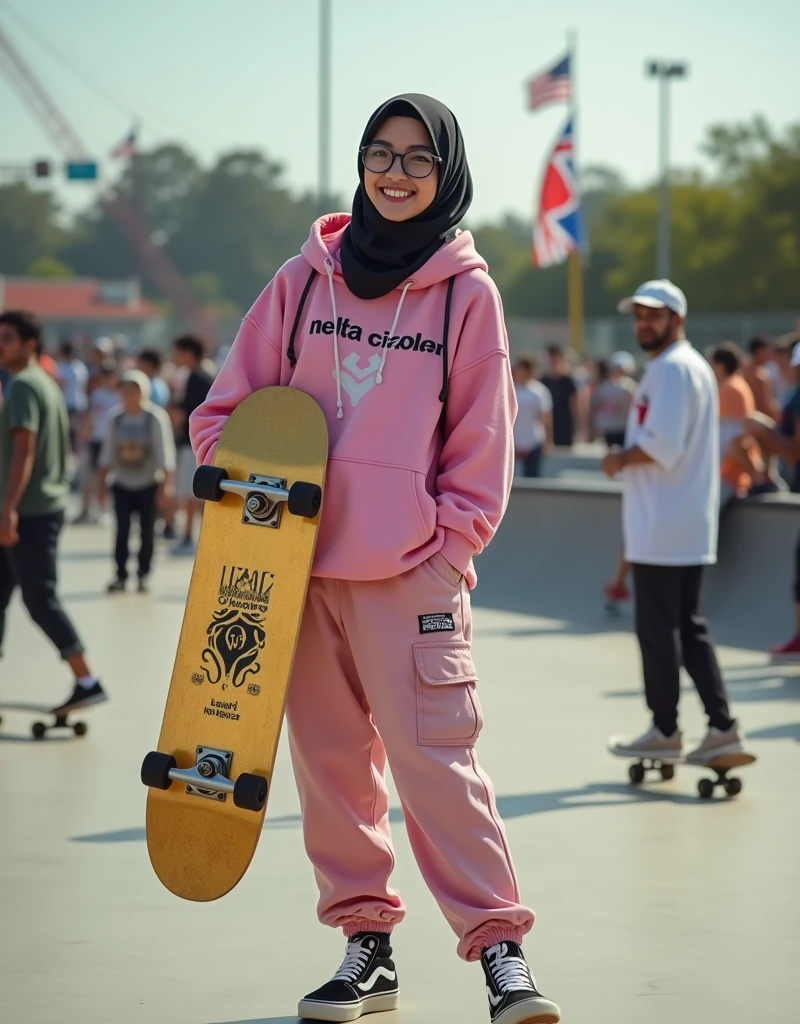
(85, 307)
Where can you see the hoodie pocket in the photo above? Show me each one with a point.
(371, 521)
(448, 711)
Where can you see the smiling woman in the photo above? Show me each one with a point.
(390, 321)
(400, 169)
(393, 234)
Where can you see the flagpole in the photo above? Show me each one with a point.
(575, 292)
(137, 184)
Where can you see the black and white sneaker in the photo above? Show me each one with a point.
(365, 983)
(81, 697)
(513, 997)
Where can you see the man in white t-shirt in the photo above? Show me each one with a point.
(670, 466)
(533, 427)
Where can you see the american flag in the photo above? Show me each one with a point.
(125, 148)
(552, 85)
(558, 228)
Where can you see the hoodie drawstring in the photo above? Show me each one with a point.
(337, 371)
(290, 350)
(329, 269)
(406, 286)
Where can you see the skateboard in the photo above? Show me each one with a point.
(732, 785)
(210, 777)
(39, 730)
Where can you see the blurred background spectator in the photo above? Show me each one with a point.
(533, 427)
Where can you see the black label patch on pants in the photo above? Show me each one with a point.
(439, 622)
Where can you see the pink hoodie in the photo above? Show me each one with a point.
(396, 492)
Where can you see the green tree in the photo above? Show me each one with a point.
(28, 227)
(48, 266)
(245, 224)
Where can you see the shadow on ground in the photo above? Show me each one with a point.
(517, 805)
(746, 685)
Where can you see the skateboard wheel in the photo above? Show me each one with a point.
(733, 787)
(636, 773)
(156, 768)
(304, 499)
(80, 728)
(250, 792)
(667, 772)
(206, 482)
(705, 787)
(38, 729)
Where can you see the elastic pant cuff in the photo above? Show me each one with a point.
(491, 936)
(361, 924)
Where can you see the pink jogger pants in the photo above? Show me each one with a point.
(384, 670)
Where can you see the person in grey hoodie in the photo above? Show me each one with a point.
(139, 453)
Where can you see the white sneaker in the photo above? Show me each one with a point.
(717, 743)
(652, 743)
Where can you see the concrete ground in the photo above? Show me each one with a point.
(653, 906)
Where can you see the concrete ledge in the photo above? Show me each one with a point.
(560, 541)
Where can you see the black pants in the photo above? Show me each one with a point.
(143, 504)
(672, 633)
(31, 565)
(532, 462)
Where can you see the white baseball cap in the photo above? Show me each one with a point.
(657, 295)
(622, 361)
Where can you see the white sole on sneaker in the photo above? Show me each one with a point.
(711, 755)
(533, 1011)
(664, 756)
(308, 1009)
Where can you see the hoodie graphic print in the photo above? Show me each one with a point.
(401, 485)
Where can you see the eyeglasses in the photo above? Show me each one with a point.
(416, 163)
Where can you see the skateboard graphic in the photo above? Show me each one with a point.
(721, 765)
(210, 777)
(39, 730)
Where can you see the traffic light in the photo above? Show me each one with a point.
(42, 168)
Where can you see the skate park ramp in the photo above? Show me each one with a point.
(560, 540)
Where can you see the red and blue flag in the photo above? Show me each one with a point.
(558, 228)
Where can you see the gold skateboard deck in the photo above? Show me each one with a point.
(210, 777)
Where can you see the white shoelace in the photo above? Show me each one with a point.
(510, 973)
(355, 960)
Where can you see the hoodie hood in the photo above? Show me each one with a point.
(455, 257)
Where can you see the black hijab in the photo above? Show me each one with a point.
(378, 254)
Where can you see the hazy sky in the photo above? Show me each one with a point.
(216, 75)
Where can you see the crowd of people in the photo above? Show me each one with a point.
(130, 454)
(563, 400)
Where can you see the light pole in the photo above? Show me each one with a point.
(324, 104)
(664, 71)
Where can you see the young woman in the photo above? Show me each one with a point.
(389, 320)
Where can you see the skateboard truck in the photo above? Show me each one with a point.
(209, 777)
(264, 496)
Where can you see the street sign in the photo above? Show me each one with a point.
(82, 170)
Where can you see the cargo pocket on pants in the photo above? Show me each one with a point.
(448, 710)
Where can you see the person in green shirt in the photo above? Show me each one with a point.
(34, 432)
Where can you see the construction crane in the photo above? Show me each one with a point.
(154, 262)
